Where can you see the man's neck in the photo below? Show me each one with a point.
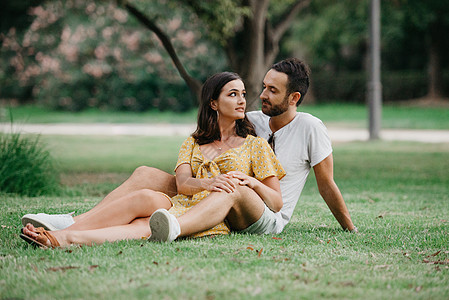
(283, 119)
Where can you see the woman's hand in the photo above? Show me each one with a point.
(220, 183)
(247, 180)
(188, 185)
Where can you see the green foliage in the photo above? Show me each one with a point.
(26, 168)
(76, 54)
(221, 17)
(351, 86)
(334, 35)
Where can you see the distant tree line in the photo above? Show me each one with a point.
(140, 55)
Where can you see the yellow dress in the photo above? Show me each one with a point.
(254, 158)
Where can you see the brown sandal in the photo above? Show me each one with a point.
(43, 235)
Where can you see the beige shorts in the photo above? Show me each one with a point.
(267, 224)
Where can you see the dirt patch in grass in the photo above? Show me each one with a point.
(73, 179)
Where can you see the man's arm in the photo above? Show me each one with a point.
(324, 173)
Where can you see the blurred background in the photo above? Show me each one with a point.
(153, 55)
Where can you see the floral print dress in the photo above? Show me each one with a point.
(254, 158)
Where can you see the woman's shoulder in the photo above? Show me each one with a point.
(256, 140)
(189, 142)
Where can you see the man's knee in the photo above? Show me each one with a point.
(144, 171)
(241, 192)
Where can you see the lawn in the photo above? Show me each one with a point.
(397, 193)
(337, 114)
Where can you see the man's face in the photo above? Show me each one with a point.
(275, 100)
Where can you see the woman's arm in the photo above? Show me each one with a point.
(188, 185)
(268, 189)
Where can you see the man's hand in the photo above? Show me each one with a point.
(244, 179)
(354, 230)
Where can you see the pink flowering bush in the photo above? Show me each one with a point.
(81, 54)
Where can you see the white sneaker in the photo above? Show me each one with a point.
(49, 222)
(164, 226)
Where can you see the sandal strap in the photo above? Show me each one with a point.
(53, 241)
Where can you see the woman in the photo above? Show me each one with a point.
(223, 142)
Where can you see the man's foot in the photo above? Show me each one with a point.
(164, 226)
(39, 237)
(48, 222)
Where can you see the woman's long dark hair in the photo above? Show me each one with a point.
(207, 129)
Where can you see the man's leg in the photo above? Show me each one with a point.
(241, 208)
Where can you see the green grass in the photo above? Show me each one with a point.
(37, 114)
(398, 195)
(393, 116)
(344, 115)
(117, 154)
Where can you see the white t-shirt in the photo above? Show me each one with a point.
(299, 145)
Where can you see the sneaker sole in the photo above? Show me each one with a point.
(160, 226)
(37, 223)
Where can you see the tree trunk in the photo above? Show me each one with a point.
(263, 45)
(252, 63)
(435, 83)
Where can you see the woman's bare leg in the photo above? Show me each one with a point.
(135, 230)
(142, 178)
(122, 211)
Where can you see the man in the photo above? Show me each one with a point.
(300, 142)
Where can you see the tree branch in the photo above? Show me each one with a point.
(194, 85)
(287, 19)
(274, 35)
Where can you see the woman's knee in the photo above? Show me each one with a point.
(152, 199)
(145, 194)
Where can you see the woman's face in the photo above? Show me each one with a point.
(231, 102)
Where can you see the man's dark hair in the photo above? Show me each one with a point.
(298, 76)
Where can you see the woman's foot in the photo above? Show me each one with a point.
(49, 222)
(39, 237)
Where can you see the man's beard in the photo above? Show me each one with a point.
(276, 110)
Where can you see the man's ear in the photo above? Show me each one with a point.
(295, 98)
